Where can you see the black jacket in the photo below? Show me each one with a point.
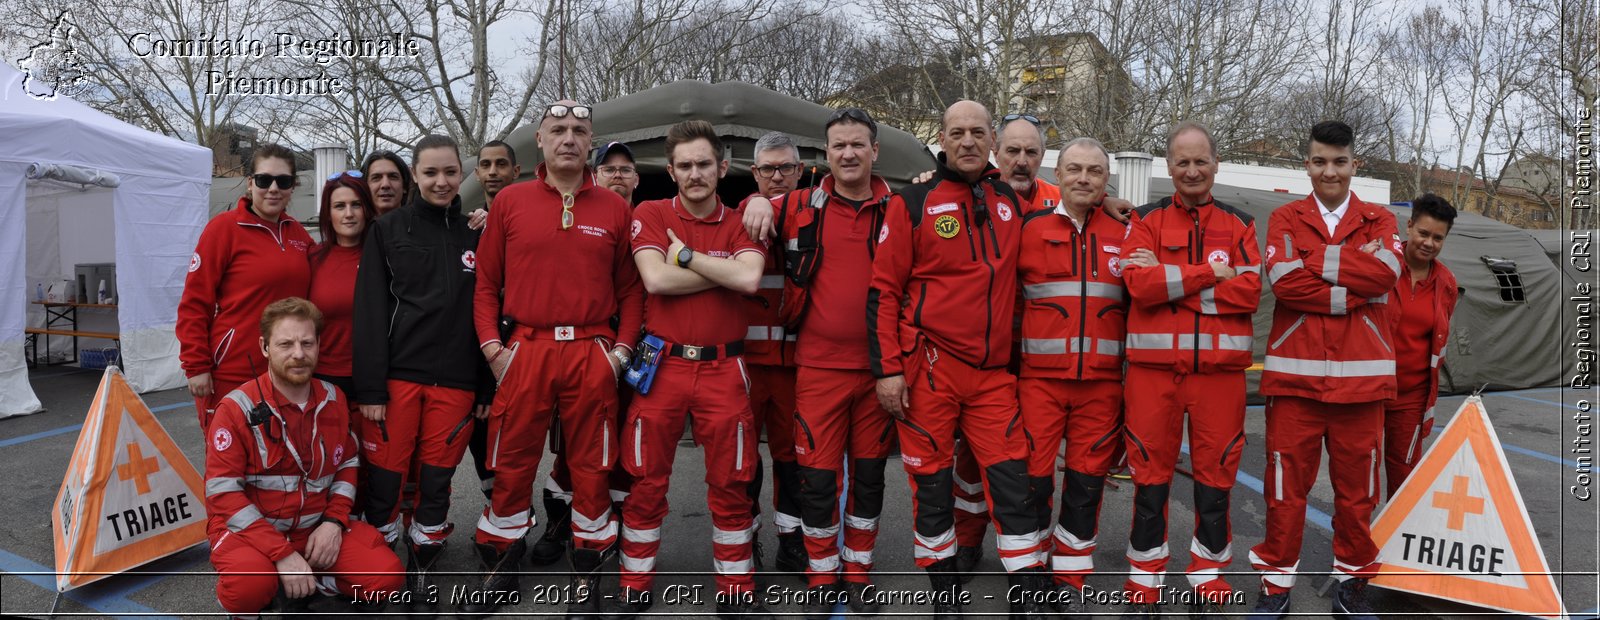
(413, 304)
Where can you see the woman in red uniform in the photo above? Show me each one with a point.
(346, 211)
(247, 258)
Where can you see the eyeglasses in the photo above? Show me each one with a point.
(1004, 120)
(618, 171)
(566, 211)
(768, 172)
(354, 174)
(264, 181)
(561, 110)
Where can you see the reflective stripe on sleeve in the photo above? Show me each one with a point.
(1043, 290)
(1282, 269)
(1330, 263)
(219, 485)
(1174, 277)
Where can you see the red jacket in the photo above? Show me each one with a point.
(1075, 308)
(1180, 303)
(242, 264)
(1445, 296)
(1330, 337)
(767, 342)
(257, 490)
(946, 270)
(553, 277)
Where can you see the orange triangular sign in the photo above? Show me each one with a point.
(129, 496)
(1457, 528)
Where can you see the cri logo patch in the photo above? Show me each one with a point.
(947, 226)
(222, 440)
(470, 259)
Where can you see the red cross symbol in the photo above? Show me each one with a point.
(1458, 503)
(564, 333)
(139, 467)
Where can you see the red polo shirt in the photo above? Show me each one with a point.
(1413, 335)
(835, 332)
(712, 317)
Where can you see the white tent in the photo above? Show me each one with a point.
(148, 225)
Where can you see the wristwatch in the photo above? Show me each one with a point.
(621, 356)
(684, 256)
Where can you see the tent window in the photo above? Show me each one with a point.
(1505, 274)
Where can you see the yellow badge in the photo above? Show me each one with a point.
(947, 226)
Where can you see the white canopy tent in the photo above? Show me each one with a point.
(147, 224)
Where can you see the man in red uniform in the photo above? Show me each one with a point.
(497, 168)
(281, 478)
(1332, 261)
(696, 261)
(563, 355)
(838, 410)
(940, 321)
(1073, 319)
(1194, 276)
(614, 170)
(1424, 299)
(769, 349)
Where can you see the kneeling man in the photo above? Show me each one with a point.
(281, 477)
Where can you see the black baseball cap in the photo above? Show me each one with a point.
(614, 147)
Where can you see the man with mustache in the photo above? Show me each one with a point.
(281, 480)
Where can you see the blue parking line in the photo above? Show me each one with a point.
(108, 601)
(74, 428)
(1535, 400)
(1538, 455)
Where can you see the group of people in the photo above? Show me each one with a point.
(991, 327)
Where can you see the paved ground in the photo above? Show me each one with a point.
(1534, 425)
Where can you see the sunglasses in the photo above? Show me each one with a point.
(856, 114)
(264, 181)
(566, 211)
(767, 172)
(1027, 117)
(561, 110)
(354, 174)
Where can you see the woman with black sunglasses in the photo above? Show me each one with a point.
(247, 258)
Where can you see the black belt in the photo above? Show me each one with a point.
(706, 354)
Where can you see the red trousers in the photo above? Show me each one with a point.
(772, 400)
(1087, 415)
(558, 484)
(1297, 428)
(247, 580)
(420, 420)
(576, 379)
(716, 395)
(972, 506)
(839, 414)
(1403, 431)
(1157, 400)
(946, 395)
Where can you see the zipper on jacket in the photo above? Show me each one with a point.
(917, 429)
(1083, 293)
(1057, 307)
(1292, 326)
(1376, 333)
(1144, 454)
(916, 317)
(1223, 462)
(988, 300)
(1094, 255)
(1196, 250)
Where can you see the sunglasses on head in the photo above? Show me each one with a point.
(856, 114)
(561, 110)
(1027, 117)
(264, 181)
(354, 174)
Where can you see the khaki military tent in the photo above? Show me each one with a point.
(741, 112)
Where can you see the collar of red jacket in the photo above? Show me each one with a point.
(947, 173)
(880, 187)
(262, 389)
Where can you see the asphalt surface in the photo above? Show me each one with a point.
(1535, 427)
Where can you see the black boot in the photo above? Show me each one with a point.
(585, 592)
(967, 559)
(743, 605)
(628, 604)
(1030, 592)
(946, 582)
(499, 580)
(557, 532)
(1350, 602)
(791, 556)
(419, 577)
(820, 601)
(861, 601)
